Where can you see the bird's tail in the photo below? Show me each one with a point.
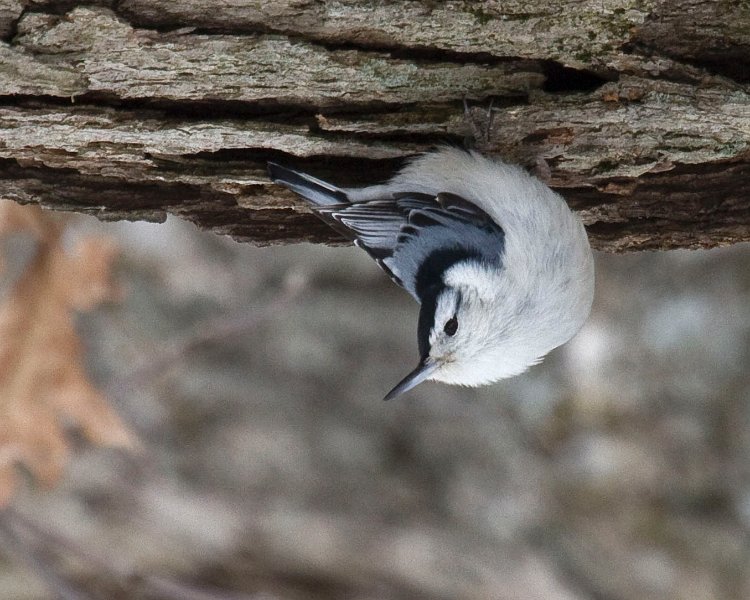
(314, 190)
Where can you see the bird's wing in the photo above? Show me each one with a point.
(378, 226)
(444, 210)
(381, 226)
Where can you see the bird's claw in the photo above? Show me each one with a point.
(480, 131)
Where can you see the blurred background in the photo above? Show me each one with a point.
(271, 469)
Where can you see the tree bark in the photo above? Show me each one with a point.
(139, 108)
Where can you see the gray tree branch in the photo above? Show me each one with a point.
(140, 108)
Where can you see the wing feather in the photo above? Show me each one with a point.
(406, 222)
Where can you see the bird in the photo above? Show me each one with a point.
(500, 265)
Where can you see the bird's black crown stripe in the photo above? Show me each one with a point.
(426, 320)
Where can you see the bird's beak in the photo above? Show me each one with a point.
(423, 371)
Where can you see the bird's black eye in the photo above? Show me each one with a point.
(451, 326)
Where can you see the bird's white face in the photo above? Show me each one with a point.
(454, 333)
(448, 339)
(463, 332)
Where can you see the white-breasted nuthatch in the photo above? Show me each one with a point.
(502, 268)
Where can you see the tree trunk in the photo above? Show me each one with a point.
(138, 108)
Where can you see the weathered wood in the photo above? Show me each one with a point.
(171, 107)
(10, 11)
(576, 33)
(119, 61)
(713, 34)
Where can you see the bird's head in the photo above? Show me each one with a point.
(478, 324)
(453, 334)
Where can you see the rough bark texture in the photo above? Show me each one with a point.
(140, 108)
